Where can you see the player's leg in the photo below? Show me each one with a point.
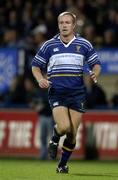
(61, 118)
(70, 141)
(75, 118)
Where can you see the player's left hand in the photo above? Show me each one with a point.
(93, 76)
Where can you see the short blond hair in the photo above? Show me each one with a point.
(68, 13)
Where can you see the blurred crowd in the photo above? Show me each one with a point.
(27, 24)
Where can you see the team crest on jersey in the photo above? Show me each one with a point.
(56, 49)
(78, 48)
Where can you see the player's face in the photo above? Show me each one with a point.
(66, 25)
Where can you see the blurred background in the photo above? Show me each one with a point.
(25, 117)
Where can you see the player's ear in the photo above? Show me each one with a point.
(74, 26)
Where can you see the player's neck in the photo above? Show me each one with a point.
(66, 39)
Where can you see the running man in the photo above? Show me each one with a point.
(64, 57)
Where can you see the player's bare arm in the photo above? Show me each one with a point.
(95, 72)
(43, 82)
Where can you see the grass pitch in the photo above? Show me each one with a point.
(13, 169)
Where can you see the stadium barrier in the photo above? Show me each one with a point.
(97, 136)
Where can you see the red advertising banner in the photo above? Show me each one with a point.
(104, 126)
(19, 134)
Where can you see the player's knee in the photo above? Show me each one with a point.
(64, 129)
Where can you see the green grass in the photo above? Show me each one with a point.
(17, 169)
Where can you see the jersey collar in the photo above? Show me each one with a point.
(66, 45)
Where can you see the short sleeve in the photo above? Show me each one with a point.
(41, 58)
(92, 57)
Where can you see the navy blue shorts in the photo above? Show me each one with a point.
(76, 102)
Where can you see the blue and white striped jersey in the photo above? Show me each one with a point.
(65, 62)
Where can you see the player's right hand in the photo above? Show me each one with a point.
(44, 83)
